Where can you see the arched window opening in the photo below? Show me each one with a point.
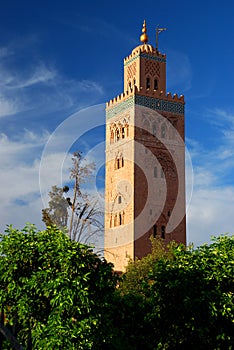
(111, 221)
(122, 162)
(155, 231)
(134, 81)
(120, 219)
(119, 199)
(123, 133)
(117, 135)
(155, 171)
(163, 232)
(155, 84)
(169, 213)
(118, 163)
(148, 83)
(163, 131)
(130, 85)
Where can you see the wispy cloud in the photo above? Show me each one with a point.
(88, 85)
(8, 106)
(40, 87)
(40, 75)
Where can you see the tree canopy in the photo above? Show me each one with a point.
(186, 296)
(54, 291)
(57, 294)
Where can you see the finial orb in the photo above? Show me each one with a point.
(144, 37)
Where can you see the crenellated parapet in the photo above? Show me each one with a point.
(153, 95)
(122, 97)
(174, 97)
(145, 51)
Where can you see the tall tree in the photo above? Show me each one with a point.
(80, 214)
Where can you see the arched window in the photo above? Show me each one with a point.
(155, 172)
(119, 199)
(155, 84)
(148, 83)
(123, 133)
(163, 131)
(163, 232)
(130, 85)
(120, 219)
(134, 81)
(117, 135)
(119, 161)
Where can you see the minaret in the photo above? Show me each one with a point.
(145, 160)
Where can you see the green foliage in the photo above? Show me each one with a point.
(187, 298)
(61, 295)
(54, 288)
(137, 271)
(57, 213)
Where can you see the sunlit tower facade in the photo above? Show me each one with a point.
(145, 159)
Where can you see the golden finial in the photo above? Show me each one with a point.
(144, 37)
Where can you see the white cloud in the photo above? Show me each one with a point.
(210, 213)
(8, 106)
(211, 207)
(20, 148)
(19, 177)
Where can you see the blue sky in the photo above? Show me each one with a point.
(57, 58)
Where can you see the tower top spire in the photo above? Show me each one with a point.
(144, 37)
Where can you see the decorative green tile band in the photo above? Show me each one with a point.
(150, 102)
(160, 105)
(120, 107)
(145, 55)
(131, 60)
(154, 58)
